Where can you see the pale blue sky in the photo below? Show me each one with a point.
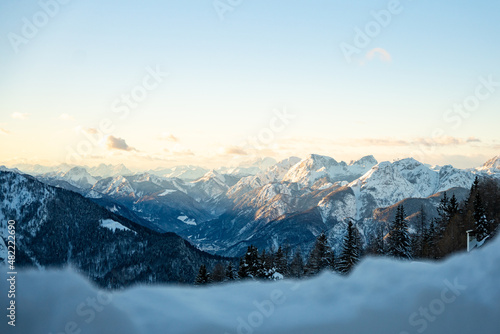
(227, 76)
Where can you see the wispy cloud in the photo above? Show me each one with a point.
(445, 141)
(377, 53)
(18, 115)
(178, 150)
(114, 143)
(91, 131)
(4, 132)
(233, 150)
(168, 137)
(438, 141)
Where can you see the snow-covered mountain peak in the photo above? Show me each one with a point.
(492, 164)
(212, 175)
(368, 160)
(310, 169)
(273, 174)
(104, 170)
(78, 176)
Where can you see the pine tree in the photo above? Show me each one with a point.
(481, 221)
(421, 233)
(266, 263)
(430, 250)
(376, 246)
(296, 269)
(280, 262)
(229, 274)
(399, 238)
(203, 276)
(443, 210)
(243, 269)
(452, 208)
(250, 264)
(218, 273)
(350, 250)
(320, 256)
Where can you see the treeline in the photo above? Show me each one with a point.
(433, 239)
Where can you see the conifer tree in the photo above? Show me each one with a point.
(296, 269)
(443, 210)
(229, 274)
(250, 264)
(203, 276)
(218, 273)
(430, 240)
(280, 262)
(452, 208)
(243, 269)
(481, 222)
(420, 238)
(399, 238)
(320, 256)
(351, 251)
(266, 263)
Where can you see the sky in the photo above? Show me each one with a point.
(218, 83)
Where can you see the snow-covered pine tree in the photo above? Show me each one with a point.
(480, 219)
(267, 266)
(399, 238)
(351, 250)
(203, 276)
(250, 264)
(243, 269)
(229, 274)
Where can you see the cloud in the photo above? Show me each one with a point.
(178, 150)
(4, 132)
(437, 141)
(114, 143)
(91, 131)
(66, 117)
(168, 137)
(234, 150)
(379, 53)
(445, 141)
(379, 142)
(18, 115)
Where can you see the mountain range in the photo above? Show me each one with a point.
(267, 203)
(57, 227)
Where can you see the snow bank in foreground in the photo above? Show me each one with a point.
(461, 295)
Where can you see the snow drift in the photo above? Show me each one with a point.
(460, 295)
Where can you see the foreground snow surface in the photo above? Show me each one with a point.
(460, 295)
